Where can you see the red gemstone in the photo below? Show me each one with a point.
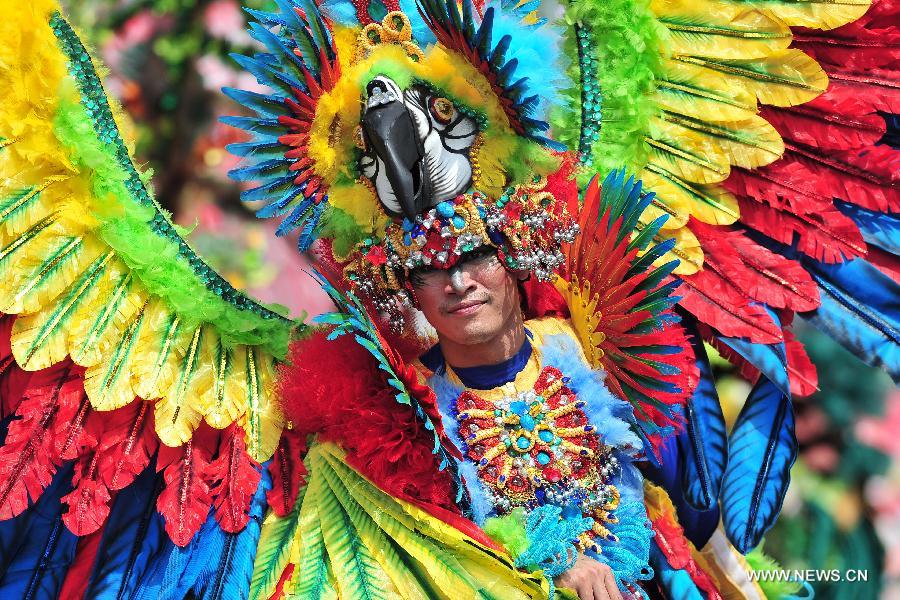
(552, 475)
(517, 484)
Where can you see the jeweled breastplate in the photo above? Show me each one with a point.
(536, 448)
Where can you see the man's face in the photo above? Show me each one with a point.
(471, 303)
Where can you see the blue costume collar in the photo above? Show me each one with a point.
(486, 377)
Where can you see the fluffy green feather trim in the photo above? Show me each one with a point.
(155, 259)
(624, 50)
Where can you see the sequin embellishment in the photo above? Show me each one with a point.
(538, 448)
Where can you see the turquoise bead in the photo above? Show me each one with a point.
(523, 442)
(445, 209)
(546, 435)
(543, 458)
(527, 422)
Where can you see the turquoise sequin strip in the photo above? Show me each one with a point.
(591, 97)
(93, 99)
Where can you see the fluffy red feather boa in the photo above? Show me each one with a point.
(335, 390)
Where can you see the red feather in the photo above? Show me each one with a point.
(88, 502)
(185, 501)
(127, 444)
(887, 263)
(288, 472)
(236, 477)
(82, 566)
(757, 271)
(333, 388)
(669, 537)
(838, 125)
(29, 458)
(715, 301)
(827, 235)
(13, 380)
(802, 372)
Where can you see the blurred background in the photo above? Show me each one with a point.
(167, 61)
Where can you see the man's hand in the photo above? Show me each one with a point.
(591, 579)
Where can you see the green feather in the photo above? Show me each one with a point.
(274, 550)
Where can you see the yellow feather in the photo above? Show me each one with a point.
(108, 383)
(160, 345)
(784, 78)
(99, 322)
(230, 386)
(686, 153)
(378, 544)
(39, 339)
(698, 92)
(179, 412)
(39, 264)
(750, 143)
(448, 559)
(720, 30)
(21, 206)
(816, 14)
(687, 248)
(582, 303)
(262, 420)
(707, 203)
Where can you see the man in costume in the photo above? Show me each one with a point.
(167, 436)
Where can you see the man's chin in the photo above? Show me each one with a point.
(473, 329)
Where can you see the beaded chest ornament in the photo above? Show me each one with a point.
(538, 448)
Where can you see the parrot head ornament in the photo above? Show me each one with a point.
(408, 140)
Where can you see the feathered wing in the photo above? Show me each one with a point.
(347, 536)
(621, 304)
(138, 385)
(761, 129)
(757, 125)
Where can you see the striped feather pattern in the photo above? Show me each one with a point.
(352, 539)
(77, 299)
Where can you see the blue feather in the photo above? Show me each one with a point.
(234, 569)
(261, 150)
(264, 191)
(215, 564)
(880, 229)
(676, 583)
(770, 359)
(761, 449)
(892, 135)
(861, 309)
(275, 76)
(186, 565)
(134, 543)
(36, 549)
(267, 130)
(705, 441)
(282, 53)
(265, 105)
(261, 170)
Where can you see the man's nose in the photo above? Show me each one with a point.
(460, 281)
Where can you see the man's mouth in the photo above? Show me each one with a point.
(465, 307)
